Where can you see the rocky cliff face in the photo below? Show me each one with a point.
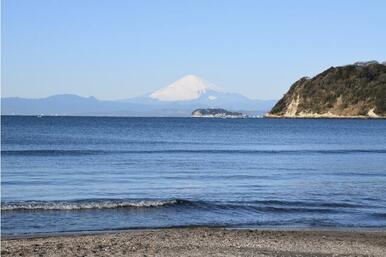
(356, 91)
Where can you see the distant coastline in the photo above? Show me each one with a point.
(356, 91)
(266, 116)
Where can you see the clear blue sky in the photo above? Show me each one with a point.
(114, 49)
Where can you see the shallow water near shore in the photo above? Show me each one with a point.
(67, 174)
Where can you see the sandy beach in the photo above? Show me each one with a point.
(202, 242)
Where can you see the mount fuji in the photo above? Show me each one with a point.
(187, 88)
(178, 99)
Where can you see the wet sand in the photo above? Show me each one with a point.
(202, 242)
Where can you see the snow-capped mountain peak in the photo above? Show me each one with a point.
(187, 88)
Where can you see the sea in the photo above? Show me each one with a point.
(85, 174)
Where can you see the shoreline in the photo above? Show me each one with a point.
(322, 116)
(203, 241)
(150, 229)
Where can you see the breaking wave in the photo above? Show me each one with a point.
(268, 206)
(88, 204)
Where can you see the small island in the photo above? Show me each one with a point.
(217, 113)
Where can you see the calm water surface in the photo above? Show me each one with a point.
(63, 174)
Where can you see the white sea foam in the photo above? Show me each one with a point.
(85, 204)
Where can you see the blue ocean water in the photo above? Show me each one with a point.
(66, 174)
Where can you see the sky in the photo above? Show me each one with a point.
(116, 49)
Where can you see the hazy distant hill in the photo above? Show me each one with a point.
(178, 99)
(357, 90)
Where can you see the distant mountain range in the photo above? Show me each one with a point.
(351, 91)
(178, 99)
